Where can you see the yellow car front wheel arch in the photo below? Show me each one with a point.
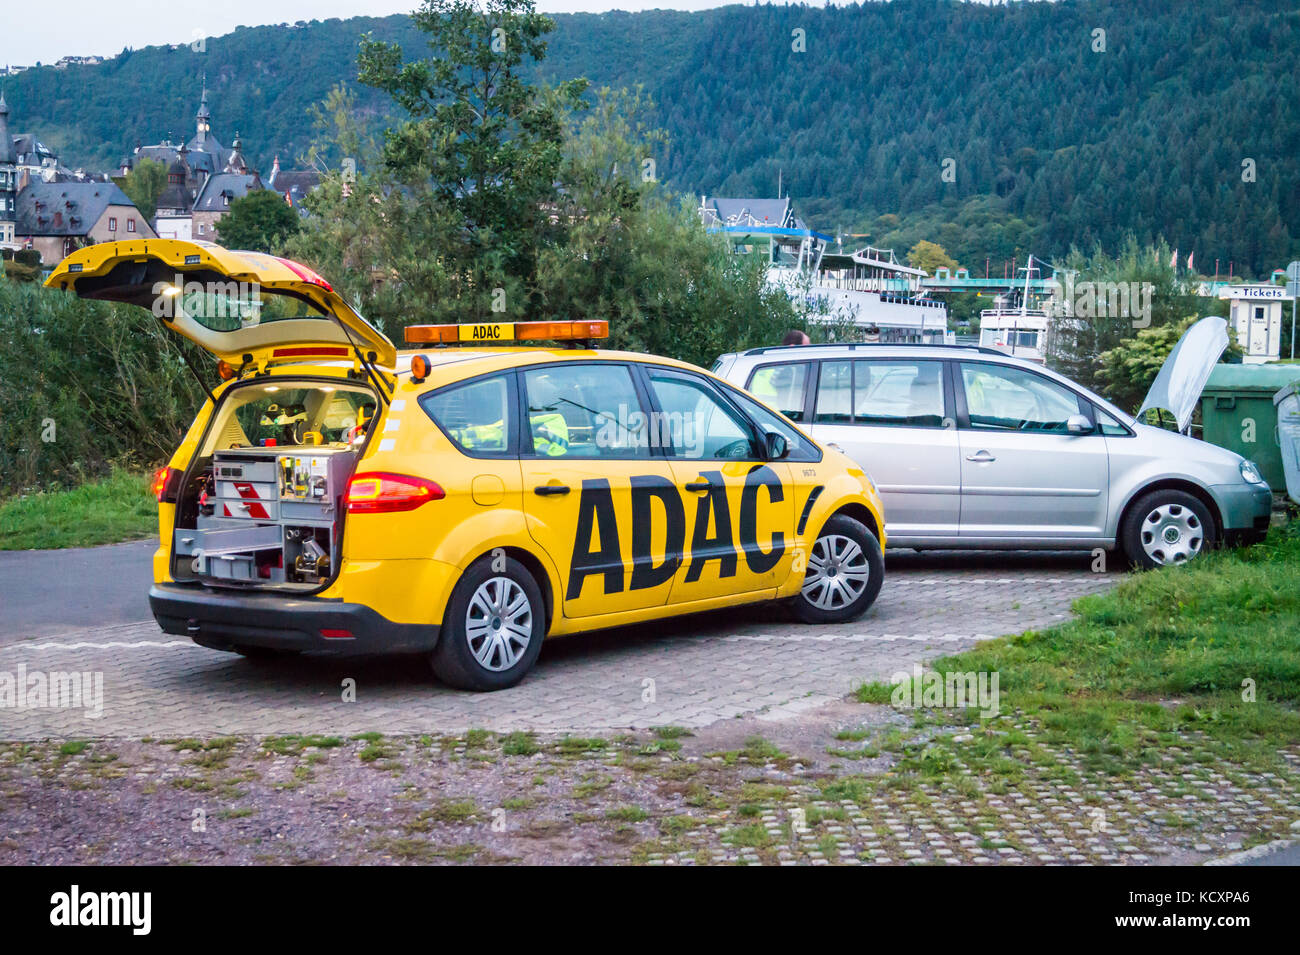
(860, 513)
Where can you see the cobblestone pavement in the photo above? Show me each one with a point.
(720, 795)
(689, 672)
(1057, 812)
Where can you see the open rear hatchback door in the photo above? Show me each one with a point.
(243, 307)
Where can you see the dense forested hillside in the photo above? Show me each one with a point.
(1054, 142)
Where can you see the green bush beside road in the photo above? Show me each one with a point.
(116, 508)
(85, 386)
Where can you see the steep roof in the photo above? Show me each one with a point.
(208, 145)
(78, 206)
(199, 161)
(295, 184)
(26, 144)
(225, 186)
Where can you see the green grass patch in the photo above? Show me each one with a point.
(576, 745)
(752, 836)
(115, 508)
(671, 732)
(627, 814)
(1209, 647)
(520, 744)
(659, 746)
(757, 750)
(292, 745)
(445, 811)
(875, 693)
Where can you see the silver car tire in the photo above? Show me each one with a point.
(1167, 528)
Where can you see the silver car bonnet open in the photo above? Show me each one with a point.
(1182, 377)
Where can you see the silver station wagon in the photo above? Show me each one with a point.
(971, 448)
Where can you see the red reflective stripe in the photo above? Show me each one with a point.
(300, 351)
(247, 493)
(337, 634)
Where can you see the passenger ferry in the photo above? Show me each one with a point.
(866, 289)
(1017, 331)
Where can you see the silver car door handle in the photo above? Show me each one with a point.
(980, 457)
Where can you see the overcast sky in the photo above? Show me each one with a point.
(31, 33)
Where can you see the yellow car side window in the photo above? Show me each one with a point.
(474, 415)
(584, 411)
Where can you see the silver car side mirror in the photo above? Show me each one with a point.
(1078, 424)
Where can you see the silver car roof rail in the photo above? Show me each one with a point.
(851, 346)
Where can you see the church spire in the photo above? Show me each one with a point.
(203, 118)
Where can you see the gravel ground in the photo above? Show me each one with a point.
(839, 784)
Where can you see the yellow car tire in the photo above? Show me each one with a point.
(493, 628)
(844, 574)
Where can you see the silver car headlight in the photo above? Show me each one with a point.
(1250, 473)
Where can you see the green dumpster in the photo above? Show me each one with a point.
(1237, 413)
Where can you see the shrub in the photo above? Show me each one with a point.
(84, 385)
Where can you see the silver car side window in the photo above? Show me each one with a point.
(835, 393)
(781, 386)
(1006, 398)
(1108, 426)
(904, 392)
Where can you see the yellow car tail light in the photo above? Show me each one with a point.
(382, 492)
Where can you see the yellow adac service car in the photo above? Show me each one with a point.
(469, 499)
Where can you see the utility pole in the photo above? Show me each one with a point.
(1293, 289)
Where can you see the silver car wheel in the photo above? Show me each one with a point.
(837, 573)
(1172, 534)
(498, 623)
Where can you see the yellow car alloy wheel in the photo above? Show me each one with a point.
(498, 623)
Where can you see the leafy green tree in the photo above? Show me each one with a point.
(930, 256)
(480, 148)
(363, 230)
(965, 307)
(636, 255)
(1089, 327)
(260, 222)
(1125, 372)
(110, 376)
(144, 184)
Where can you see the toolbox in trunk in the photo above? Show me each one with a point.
(272, 516)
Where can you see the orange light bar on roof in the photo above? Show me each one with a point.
(488, 333)
(434, 334)
(560, 331)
